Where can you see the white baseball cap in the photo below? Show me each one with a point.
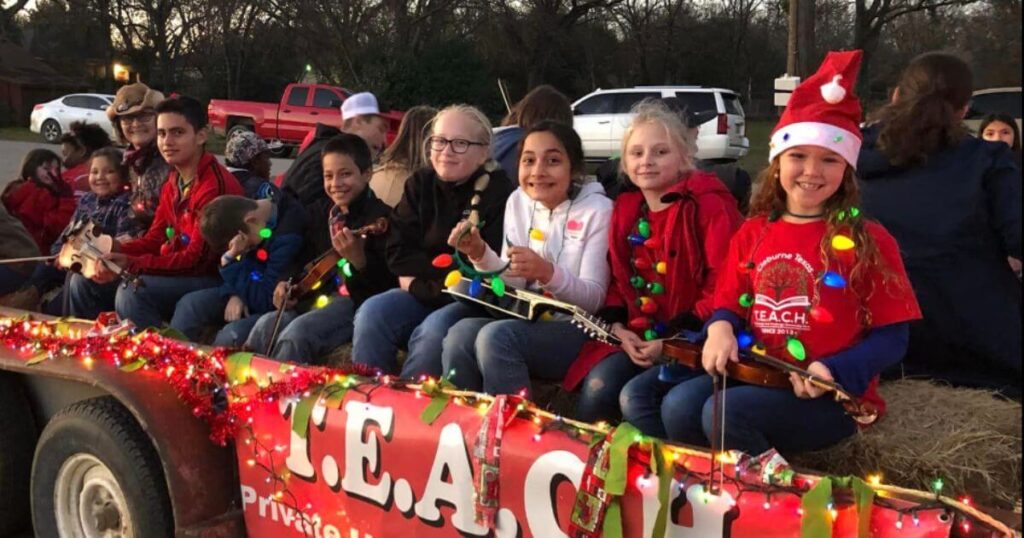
(359, 104)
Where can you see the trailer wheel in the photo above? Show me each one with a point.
(96, 474)
(17, 441)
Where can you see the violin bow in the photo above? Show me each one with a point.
(30, 259)
(277, 319)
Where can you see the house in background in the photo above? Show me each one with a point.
(26, 81)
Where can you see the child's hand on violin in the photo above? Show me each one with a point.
(471, 244)
(350, 246)
(651, 349)
(525, 263)
(804, 388)
(238, 245)
(631, 344)
(235, 310)
(105, 274)
(719, 348)
(281, 296)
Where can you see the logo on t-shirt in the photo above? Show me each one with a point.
(783, 291)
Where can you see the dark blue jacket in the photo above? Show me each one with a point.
(956, 218)
(505, 150)
(254, 280)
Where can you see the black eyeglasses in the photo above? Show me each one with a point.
(459, 145)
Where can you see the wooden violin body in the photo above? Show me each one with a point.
(83, 250)
(689, 354)
(315, 271)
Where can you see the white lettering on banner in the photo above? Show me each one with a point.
(310, 526)
(451, 480)
(712, 514)
(537, 490)
(298, 460)
(361, 447)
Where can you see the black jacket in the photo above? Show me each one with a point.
(375, 277)
(956, 218)
(423, 219)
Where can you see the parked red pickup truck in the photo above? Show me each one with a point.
(302, 106)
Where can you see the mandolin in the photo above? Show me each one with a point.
(83, 250)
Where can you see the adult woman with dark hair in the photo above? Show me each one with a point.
(542, 103)
(404, 156)
(556, 230)
(953, 202)
(77, 146)
(133, 115)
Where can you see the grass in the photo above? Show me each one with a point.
(758, 132)
(215, 143)
(20, 134)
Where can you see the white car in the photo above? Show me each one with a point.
(601, 118)
(53, 119)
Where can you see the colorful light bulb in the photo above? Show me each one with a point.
(833, 279)
(821, 314)
(746, 300)
(744, 339)
(475, 287)
(442, 261)
(265, 233)
(644, 228)
(842, 242)
(452, 278)
(661, 268)
(498, 286)
(796, 348)
(322, 301)
(536, 235)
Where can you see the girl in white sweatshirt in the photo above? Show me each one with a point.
(557, 226)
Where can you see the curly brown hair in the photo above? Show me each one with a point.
(770, 201)
(924, 116)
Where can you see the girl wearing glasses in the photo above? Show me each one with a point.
(462, 183)
(557, 230)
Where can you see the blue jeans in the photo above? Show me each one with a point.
(307, 337)
(599, 392)
(501, 356)
(11, 280)
(148, 306)
(205, 308)
(395, 319)
(756, 418)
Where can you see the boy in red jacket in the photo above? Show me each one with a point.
(171, 257)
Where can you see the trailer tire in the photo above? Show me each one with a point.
(95, 468)
(17, 442)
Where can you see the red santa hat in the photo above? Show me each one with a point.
(823, 110)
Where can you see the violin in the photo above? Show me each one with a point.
(760, 369)
(315, 271)
(83, 250)
(753, 368)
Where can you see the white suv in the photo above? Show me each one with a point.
(601, 118)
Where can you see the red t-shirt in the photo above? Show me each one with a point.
(784, 284)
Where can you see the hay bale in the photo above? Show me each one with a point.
(971, 438)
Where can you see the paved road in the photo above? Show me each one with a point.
(12, 152)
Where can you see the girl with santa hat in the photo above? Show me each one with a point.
(808, 279)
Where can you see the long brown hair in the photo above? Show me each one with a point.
(770, 201)
(407, 149)
(924, 115)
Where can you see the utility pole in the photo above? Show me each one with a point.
(792, 47)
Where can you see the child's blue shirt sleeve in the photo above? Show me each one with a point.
(254, 281)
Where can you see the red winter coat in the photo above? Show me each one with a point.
(184, 253)
(703, 216)
(45, 210)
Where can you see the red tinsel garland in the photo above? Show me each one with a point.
(199, 378)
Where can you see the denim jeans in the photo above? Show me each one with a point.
(599, 392)
(205, 308)
(148, 306)
(307, 337)
(756, 418)
(500, 356)
(395, 319)
(45, 277)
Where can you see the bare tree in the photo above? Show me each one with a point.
(872, 16)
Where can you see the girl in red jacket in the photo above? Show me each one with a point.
(666, 245)
(40, 199)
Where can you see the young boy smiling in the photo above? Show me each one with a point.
(172, 257)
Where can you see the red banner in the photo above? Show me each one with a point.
(366, 465)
